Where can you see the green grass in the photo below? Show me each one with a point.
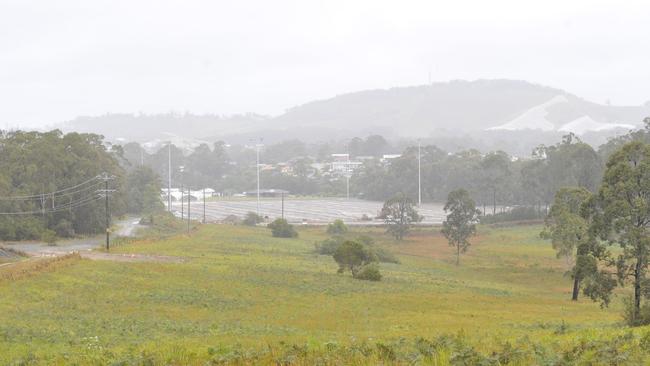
(241, 289)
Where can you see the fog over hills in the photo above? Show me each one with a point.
(507, 114)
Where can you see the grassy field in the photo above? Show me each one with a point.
(242, 296)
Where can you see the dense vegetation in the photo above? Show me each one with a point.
(49, 183)
(494, 179)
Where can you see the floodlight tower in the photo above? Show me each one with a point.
(347, 177)
(257, 153)
(169, 178)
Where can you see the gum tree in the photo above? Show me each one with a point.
(623, 216)
(461, 221)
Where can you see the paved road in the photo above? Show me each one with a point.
(316, 211)
(126, 227)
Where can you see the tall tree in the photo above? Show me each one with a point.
(460, 224)
(568, 230)
(399, 214)
(623, 215)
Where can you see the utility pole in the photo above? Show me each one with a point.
(204, 205)
(257, 148)
(282, 205)
(169, 178)
(181, 168)
(106, 193)
(419, 177)
(189, 199)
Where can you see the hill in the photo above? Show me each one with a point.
(520, 115)
(462, 106)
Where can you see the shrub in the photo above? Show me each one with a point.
(231, 219)
(49, 236)
(629, 314)
(280, 228)
(338, 227)
(64, 229)
(352, 256)
(252, 219)
(515, 214)
(328, 246)
(385, 256)
(369, 272)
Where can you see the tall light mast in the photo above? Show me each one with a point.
(169, 178)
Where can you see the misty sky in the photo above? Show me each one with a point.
(63, 58)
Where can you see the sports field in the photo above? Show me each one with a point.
(239, 296)
(310, 211)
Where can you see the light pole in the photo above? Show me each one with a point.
(169, 178)
(347, 178)
(257, 151)
(181, 168)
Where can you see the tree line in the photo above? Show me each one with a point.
(49, 183)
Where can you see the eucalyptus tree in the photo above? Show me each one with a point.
(568, 231)
(622, 216)
(399, 214)
(460, 224)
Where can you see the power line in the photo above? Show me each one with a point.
(65, 207)
(60, 192)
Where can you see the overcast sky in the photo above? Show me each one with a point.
(60, 59)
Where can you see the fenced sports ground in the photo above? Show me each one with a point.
(307, 211)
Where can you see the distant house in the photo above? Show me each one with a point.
(386, 158)
(341, 164)
(194, 194)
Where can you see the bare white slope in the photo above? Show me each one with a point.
(587, 124)
(534, 118)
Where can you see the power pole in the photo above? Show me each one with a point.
(189, 199)
(282, 205)
(257, 148)
(106, 193)
(204, 205)
(419, 177)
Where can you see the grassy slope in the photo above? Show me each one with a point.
(240, 286)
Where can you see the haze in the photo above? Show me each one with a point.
(69, 58)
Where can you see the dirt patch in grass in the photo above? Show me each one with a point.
(131, 257)
(34, 266)
(424, 244)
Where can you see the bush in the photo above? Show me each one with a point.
(280, 228)
(49, 236)
(629, 316)
(64, 229)
(352, 256)
(252, 219)
(369, 272)
(515, 214)
(338, 227)
(385, 256)
(231, 220)
(328, 246)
